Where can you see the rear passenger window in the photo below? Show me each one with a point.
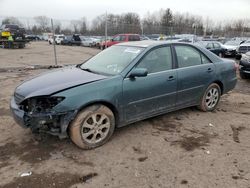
(157, 60)
(209, 46)
(205, 59)
(216, 45)
(187, 56)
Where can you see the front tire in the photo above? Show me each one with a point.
(92, 127)
(210, 98)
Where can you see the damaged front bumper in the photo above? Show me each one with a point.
(55, 123)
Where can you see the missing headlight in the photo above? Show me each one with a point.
(41, 104)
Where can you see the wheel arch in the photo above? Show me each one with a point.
(105, 103)
(221, 85)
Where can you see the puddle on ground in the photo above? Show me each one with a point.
(166, 125)
(236, 131)
(191, 142)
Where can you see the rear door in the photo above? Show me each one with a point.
(217, 48)
(146, 96)
(195, 72)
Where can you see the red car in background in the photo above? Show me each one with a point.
(120, 38)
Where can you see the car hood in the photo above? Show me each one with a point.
(245, 44)
(54, 81)
(230, 47)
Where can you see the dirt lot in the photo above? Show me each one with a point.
(187, 148)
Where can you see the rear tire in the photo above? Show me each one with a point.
(92, 127)
(210, 98)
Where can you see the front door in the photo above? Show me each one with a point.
(146, 96)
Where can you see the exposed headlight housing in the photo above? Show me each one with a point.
(41, 104)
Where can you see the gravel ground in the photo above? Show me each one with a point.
(186, 148)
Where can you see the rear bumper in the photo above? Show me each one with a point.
(230, 85)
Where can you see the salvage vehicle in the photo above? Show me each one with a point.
(231, 47)
(214, 46)
(74, 40)
(123, 84)
(244, 66)
(242, 49)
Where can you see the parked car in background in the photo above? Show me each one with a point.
(213, 46)
(120, 38)
(242, 49)
(143, 37)
(73, 40)
(58, 39)
(244, 66)
(155, 36)
(231, 47)
(96, 41)
(87, 41)
(170, 38)
(32, 37)
(123, 84)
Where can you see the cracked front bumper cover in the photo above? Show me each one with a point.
(53, 123)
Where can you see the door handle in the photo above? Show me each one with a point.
(209, 70)
(170, 78)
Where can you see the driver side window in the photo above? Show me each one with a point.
(157, 60)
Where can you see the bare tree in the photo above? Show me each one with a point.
(167, 21)
(76, 25)
(57, 26)
(208, 26)
(43, 22)
(83, 25)
(12, 20)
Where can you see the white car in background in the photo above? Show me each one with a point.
(58, 39)
(87, 41)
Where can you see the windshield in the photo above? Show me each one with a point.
(113, 60)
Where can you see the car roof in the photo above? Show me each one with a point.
(147, 43)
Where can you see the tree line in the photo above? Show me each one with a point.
(163, 21)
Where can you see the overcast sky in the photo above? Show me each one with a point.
(217, 10)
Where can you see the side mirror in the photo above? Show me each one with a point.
(138, 72)
(208, 48)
